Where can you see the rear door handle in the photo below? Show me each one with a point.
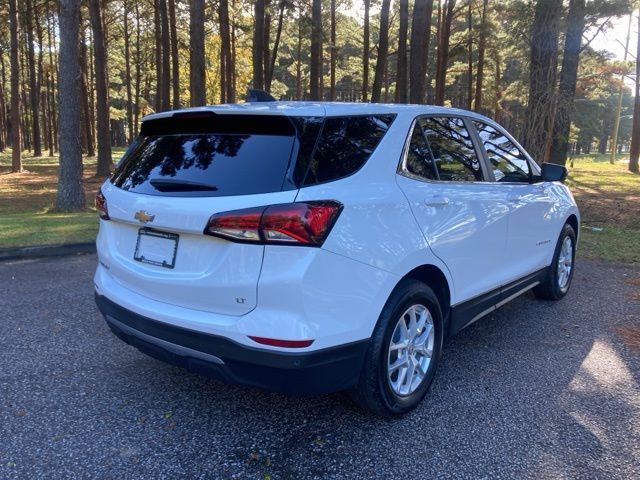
(436, 201)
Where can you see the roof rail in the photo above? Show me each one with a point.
(255, 95)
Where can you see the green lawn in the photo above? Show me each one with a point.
(27, 200)
(608, 196)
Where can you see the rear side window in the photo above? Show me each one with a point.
(508, 162)
(419, 161)
(216, 155)
(452, 148)
(344, 146)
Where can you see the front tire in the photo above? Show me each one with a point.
(403, 353)
(558, 279)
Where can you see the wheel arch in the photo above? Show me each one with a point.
(575, 224)
(435, 278)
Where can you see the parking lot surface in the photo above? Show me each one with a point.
(535, 390)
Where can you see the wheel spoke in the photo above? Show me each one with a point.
(400, 361)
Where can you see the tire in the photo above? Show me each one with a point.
(393, 395)
(556, 284)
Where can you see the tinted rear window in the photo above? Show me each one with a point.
(344, 146)
(223, 155)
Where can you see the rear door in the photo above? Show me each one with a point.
(463, 217)
(170, 182)
(532, 224)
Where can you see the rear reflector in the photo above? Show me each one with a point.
(304, 223)
(282, 343)
(101, 206)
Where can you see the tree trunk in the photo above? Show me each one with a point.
(419, 53)
(70, 189)
(315, 71)
(616, 121)
(444, 34)
(266, 53)
(165, 98)
(276, 45)
(102, 93)
(482, 42)
(84, 100)
(333, 53)
(299, 62)
(258, 45)
(136, 115)
(568, 79)
(196, 54)
(542, 78)
(401, 58)
(383, 51)
(470, 55)
(16, 158)
(34, 91)
(127, 68)
(634, 152)
(52, 80)
(157, 30)
(365, 52)
(175, 64)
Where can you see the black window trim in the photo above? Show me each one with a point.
(480, 153)
(533, 166)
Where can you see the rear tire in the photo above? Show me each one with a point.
(558, 279)
(403, 353)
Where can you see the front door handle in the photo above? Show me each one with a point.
(436, 201)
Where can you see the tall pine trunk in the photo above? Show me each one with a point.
(469, 55)
(568, 79)
(226, 53)
(333, 53)
(634, 152)
(34, 90)
(542, 79)
(102, 93)
(127, 68)
(383, 52)
(196, 54)
(482, 45)
(175, 64)
(70, 189)
(258, 45)
(419, 53)
(16, 147)
(401, 64)
(365, 52)
(444, 34)
(315, 71)
(165, 97)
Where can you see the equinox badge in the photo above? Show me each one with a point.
(144, 217)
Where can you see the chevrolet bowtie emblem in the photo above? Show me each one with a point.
(144, 217)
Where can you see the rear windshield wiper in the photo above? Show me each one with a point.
(175, 185)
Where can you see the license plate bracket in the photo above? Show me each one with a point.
(156, 248)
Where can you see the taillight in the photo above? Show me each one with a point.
(101, 206)
(304, 223)
(274, 342)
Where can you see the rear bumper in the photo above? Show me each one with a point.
(327, 370)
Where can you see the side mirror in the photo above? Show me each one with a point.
(552, 172)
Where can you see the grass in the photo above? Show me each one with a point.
(608, 197)
(609, 200)
(27, 200)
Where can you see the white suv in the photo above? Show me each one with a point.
(314, 247)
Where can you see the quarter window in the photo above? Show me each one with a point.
(452, 149)
(508, 162)
(419, 160)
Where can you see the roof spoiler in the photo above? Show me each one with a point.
(255, 95)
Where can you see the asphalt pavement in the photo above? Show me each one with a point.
(535, 390)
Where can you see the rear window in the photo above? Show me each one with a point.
(205, 154)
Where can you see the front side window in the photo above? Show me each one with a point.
(452, 149)
(507, 161)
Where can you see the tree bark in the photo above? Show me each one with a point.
(365, 52)
(258, 45)
(52, 80)
(165, 97)
(102, 93)
(469, 54)
(315, 71)
(196, 54)
(482, 42)
(333, 53)
(383, 51)
(227, 55)
(401, 58)
(34, 90)
(70, 194)
(85, 113)
(419, 53)
(299, 61)
(175, 64)
(444, 34)
(136, 115)
(127, 69)
(634, 152)
(568, 78)
(16, 154)
(542, 78)
(276, 45)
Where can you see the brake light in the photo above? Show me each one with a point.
(101, 206)
(304, 223)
